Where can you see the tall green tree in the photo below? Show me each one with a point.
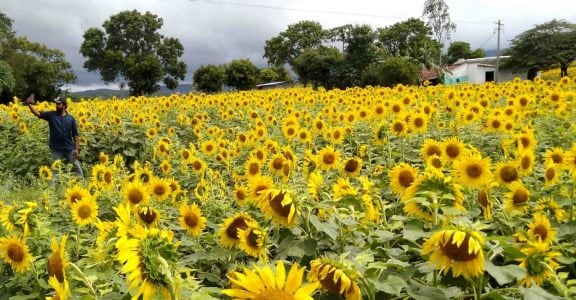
(131, 48)
(274, 73)
(286, 46)
(209, 78)
(241, 74)
(438, 19)
(315, 66)
(459, 49)
(28, 67)
(361, 50)
(548, 45)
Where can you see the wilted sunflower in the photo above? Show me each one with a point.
(135, 193)
(506, 172)
(141, 259)
(328, 158)
(402, 177)
(14, 251)
(335, 278)
(456, 250)
(516, 199)
(252, 240)
(45, 173)
(266, 283)
(58, 260)
(148, 216)
(540, 263)
(483, 199)
(85, 211)
(541, 230)
(191, 219)
(472, 170)
(279, 205)
(228, 232)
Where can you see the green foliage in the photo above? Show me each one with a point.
(391, 72)
(276, 73)
(461, 49)
(438, 19)
(7, 81)
(285, 47)
(545, 46)
(131, 48)
(241, 74)
(315, 65)
(209, 78)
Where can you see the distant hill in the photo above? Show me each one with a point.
(109, 93)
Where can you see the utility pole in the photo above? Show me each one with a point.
(497, 53)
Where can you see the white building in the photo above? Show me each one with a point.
(478, 70)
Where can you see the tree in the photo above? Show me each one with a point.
(361, 51)
(315, 65)
(7, 81)
(460, 49)
(241, 74)
(209, 78)
(131, 49)
(285, 47)
(271, 74)
(438, 19)
(392, 71)
(545, 46)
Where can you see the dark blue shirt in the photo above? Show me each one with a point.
(63, 129)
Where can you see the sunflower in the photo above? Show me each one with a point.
(314, 182)
(209, 148)
(144, 174)
(571, 161)
(276, 163)
(401, 177)
(240, 194)
(418, 122)
(548, 204)
(456, 250)
(555, 156)
(75, 193)
(328, 158)
(165, 167)
(483, 199)
(336, 135)
(506, 172)
(431, 147)
(58, 260)
(151, 132)
(399, 127)
(380, 134)
(14, 251)
(452, 149)
(266, 283)
(103, 158)
(343, 188)
(290, 131)
(335, 278)
(435, 164)
(85, 211)
(257, 185)
(62, 290)
(516, 199)
(191, 219)
(352, 167)
(526, 142)
(525, 163)
(252, 240)
(135, 193)
(552, 175)
(159, 188)
(148, 216)
(540, 263)
(541, 230)
(228, 232)
(304, 136)
(149, 262)
(279, 205)
(252, 167)
(45, 173)
(472, 170)
(198, 165)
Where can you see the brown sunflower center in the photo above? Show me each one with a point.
(75, 197)
(496, 124)
(108, 177)
(474, 170)
(525, 142)
(433, 150)
(84, 212)
(253, 239)
(276, 205)
(540, 231)
(240, 195)
(526, 162)
(197, 165)
(277, 163)
(191, 220)
(462, 253)
(148, 216)
(232, 230)
(159, 190)
(418, 122)
(405, 178)
(328, 158)
(254, 169)
(15, 253)
(398, 127)
(452, 150)
(550, 173)
(56, 267)
(337, 135)
(436, 162)
(509, 174)
(135, 196)
(330, 284)
(483, 198)
(520, 197)
(557, 158)
(351, 166)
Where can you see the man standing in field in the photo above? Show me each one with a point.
(64, 137)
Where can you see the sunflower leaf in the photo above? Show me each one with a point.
(537, 293)
(391, 285)
(504, 274)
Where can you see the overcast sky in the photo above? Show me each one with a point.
(215, 32)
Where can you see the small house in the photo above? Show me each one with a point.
(478, 70)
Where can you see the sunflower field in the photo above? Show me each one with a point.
(412, 192)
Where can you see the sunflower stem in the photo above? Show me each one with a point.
(573, 201)
(84, 279)
(77, 252)
(37, 279)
